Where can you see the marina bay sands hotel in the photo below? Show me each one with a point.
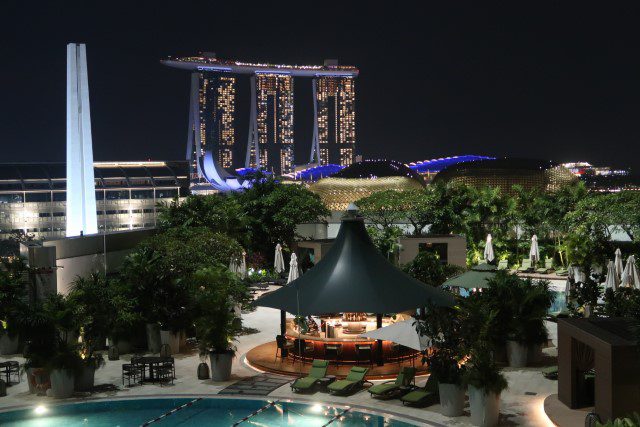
(270, 144)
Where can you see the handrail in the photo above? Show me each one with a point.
(335, 417)
(265, 407)
(171, 412)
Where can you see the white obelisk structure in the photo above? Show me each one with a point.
(81, 189)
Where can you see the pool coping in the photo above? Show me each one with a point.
(360, 408)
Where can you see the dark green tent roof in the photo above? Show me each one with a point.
(475, 278)
(354, 277)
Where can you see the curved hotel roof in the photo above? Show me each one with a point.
(205, 63)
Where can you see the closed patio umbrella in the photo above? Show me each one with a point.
(403, 333)
(488, 249)
(612, 280)
(278, 263)
(294, 273)
(242, 270)
(234, 265)
(618, 263)
(630, 274)
(534, 253)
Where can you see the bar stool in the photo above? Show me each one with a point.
(301, 348)
(364, 350)
(283, 345)
(333, 352)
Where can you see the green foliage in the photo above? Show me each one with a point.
(428, 268)
(386, 241)
(274, 210)
(13, 295)
(483, 373)
(443, 326)
(630, 421)
(215, 292)
(584, 294)
(383, 208)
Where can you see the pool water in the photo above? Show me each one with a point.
(209, 412)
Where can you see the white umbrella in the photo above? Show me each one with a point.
(278, 263)
(242, 270)
(534, 253)
(488, 249)
(234, 265)
(612, 280)
(403, 333)
(618, 262)
(293, 268)
(630, 274)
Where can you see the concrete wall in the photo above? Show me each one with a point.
(456, 248)
(83, 255)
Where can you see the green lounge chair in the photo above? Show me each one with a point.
(548, 266)
(354, 381)
(503, 264)
(317, 372)
(550, 372)
(426, 396)
(526, 265)
(390, 389)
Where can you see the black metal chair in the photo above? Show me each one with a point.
(13, 370)
(333, 352)
(283, 345)
(165, 372)
(132, 371)
(168, 363)
(365, 350)
(301, 348)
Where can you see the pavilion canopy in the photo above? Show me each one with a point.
(354, 277)
(477, 277)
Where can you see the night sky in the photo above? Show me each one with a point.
(547, 80)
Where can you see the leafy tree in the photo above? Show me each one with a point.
(428, 268)
(218, 212)
(13, 295)
(386, 240)
(274, 210)
(384, 208)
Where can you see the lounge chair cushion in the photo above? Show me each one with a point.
(304, 383)
(341, 385)
(417, 396)
(319, 369)
(384, 388)
(357, 374)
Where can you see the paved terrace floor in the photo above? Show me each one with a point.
(522, 404)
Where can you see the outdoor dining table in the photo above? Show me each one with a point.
(152, 361)
(5, 368)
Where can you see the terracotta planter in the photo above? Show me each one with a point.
(38, 380)
(62, 383)
(485, 407)
(9, 345)
(517, 354)
(451, 399)
(153, 337)
(221, 365)
(171, 339)
(86, 380)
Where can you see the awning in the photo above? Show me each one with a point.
(354, 277)
(475, 278)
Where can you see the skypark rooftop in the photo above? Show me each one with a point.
(211, 63)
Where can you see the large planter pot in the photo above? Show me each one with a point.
(38, 380)
(517, 354)
(124, 346)
(153, 337)
(85, 381)
(221, 365)
(500, 354)
(62, 383)
(451, 399)
(484, 406)
(171, 339)
(9, 345)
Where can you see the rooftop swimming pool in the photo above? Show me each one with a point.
(207, 411)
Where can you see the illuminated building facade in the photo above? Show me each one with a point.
(34, 196)
(334, 137)
(270, 144)
(272, 138)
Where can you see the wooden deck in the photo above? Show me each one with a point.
(263, 358)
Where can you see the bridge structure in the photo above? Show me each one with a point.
(270, 143)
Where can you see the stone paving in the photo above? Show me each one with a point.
(522, 403)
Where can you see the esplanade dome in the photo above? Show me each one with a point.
(505, 173)
(363, 179)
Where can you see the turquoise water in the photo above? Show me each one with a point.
(209, 412)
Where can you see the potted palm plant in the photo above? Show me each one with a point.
(442, 326)
(12, 302)
(64, 366)
(485, 383)
(216, 292)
